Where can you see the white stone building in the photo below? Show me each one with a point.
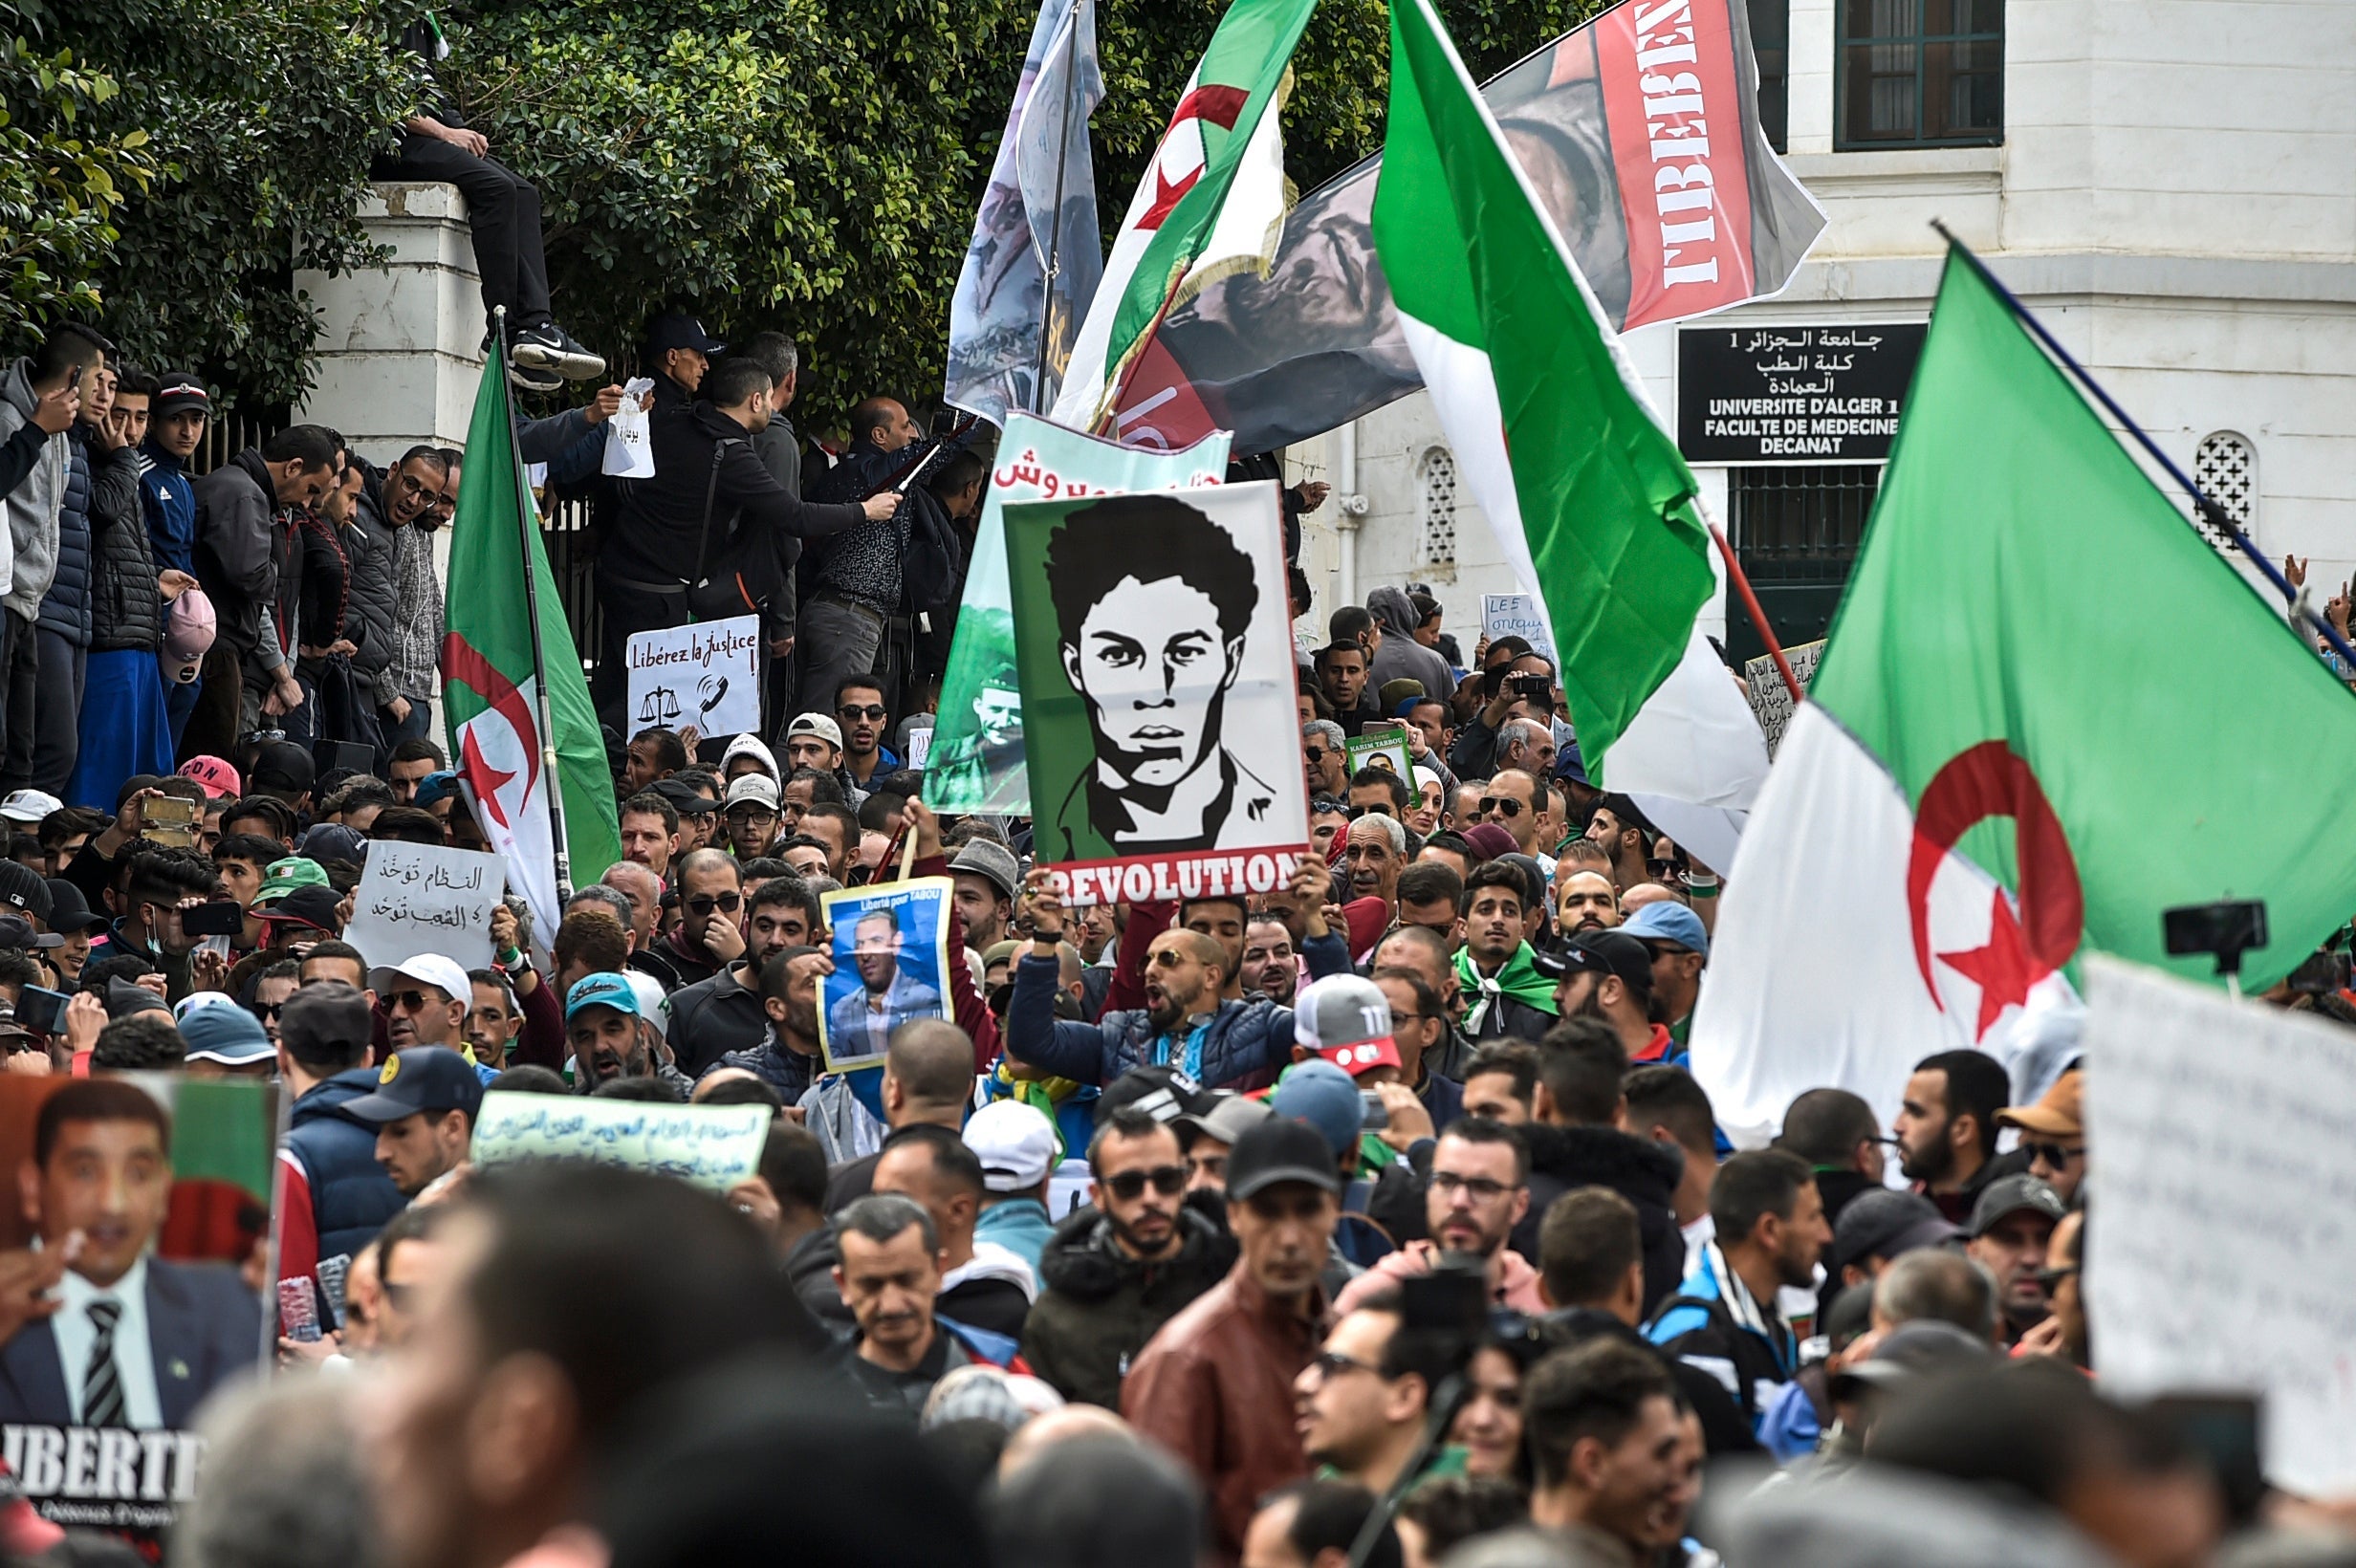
(2170, 184)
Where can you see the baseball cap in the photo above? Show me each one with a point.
(1669, 921)
(675, 329)
(1923, 1347)
(1346, 1020)
(189, 626)
(1882, 1222)
(325, 1013)
(2060, 1114)
(1587, 954)
(1281, 1150)
(992, 861)
(750, 745)
(1489, 841)
(604, 989)
(280, 878)
(424, 1077)
(1230, 1116)
(426, 968)
(684, 798)
(219, 779)
(2012, 1194)
(431, 787)
(332, 841)
(21, 887)
(1570, 764)
(282, 765)
(1016, 1144)
(1324, 1097)
(226, 1033)
(1165, 1093)
(759, 789)
(29, 806)
(180, 389)
(311, 906)
(654, 1003)
(68, 911)
(818, 725)
(17, 933)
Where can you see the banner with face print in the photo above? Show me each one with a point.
(1156, 667)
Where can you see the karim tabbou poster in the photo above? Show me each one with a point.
(1158, 684)
(159, 1186)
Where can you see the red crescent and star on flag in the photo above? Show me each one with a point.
(1220, 106)
(461, 662)
(1984, 781)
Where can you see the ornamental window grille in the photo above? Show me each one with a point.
(2225, 468)
(1436, 481)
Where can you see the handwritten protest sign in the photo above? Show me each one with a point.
(1770, 698)
(713, 1147)
(2223, 1254)
(1516, 615)
(706, 675)
(423, 899)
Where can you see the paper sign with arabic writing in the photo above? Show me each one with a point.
(422, 898)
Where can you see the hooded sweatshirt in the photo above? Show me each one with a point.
(1402, 657)
(28, 554)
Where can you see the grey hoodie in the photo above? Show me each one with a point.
(28, 554)
(1400, 657)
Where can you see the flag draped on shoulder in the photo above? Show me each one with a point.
(490, 690)
(2000, 766)
(1213, 201)
(1588, 497)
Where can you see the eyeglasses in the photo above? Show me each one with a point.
(873, 710)
(1502, 805)
(1128, 1186)
(1332, 1363)
(406, 1001)
(750, 814)
(708, 902)
(2054, 1155)
(1325, 805)
(2048, 1278)
(1448, 1184)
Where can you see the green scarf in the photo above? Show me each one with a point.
(1518, 979)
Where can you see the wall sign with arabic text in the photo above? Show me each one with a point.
(1793, 394)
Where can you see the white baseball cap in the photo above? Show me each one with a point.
(758, 788)
(431, 969)
(818, 725)
(1016, 1144)
(30, 805)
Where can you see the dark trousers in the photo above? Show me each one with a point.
(20, 680)
(627, 610)
(503, 209)
(58, 717)
(215, 724)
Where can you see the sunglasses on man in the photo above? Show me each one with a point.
(702, 905)
(1504, 805)
(2057, 1155)
(852, 711)
(1128, 1186)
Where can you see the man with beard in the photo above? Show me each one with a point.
(1431, 957)
(1608, 975)
(1479, 1191)
(724, 1013)
(1769, 1229)
(610, 1037)
(1268, 967)
(1223, 920)
(1606, 1437)
(1947, 1129)
(859, 1025)
(1118, 1270)
(1151, 619)
(424, 1111)
(1586, 900)
(788, 1060)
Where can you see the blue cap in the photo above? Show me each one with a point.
(434, 786)
(1570, 764)
(604, 989)
(1325, 1097)
(226, 1033)
(424, 1077)
(1666, 920)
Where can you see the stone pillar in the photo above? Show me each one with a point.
(400, 347)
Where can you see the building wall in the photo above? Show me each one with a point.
(2176, 199)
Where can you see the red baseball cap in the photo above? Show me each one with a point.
(219, 779)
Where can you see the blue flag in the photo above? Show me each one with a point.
(1001, 306)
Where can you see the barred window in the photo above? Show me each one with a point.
(1436, 481)
(2225, 466)
(1920, 74)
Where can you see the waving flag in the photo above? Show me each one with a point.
(1213, 201)
(491, 680)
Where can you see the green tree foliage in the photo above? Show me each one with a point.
(63, 181)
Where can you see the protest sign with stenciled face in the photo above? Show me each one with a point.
(1157, 692)
(158, 1187)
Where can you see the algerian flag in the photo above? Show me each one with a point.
(490, 691)
(1211, 202)
(1589, 499)
(2047, 712)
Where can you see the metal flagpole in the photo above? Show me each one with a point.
(2210, 512)
(527, 518)
(1055, 232)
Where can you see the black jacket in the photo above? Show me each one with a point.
(1641, 1171)
(659, 527)
(126, 607)
(371, 616)
(239, 546)
(1097, 1306)
(1724, 1427)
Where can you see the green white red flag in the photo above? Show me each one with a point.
(491, 688)
(1211, 202)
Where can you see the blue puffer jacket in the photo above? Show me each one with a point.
(65, 609)
(1243, 1037)
(351, 1197)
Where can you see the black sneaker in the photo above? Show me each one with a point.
(533, 381)
(549, 347)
